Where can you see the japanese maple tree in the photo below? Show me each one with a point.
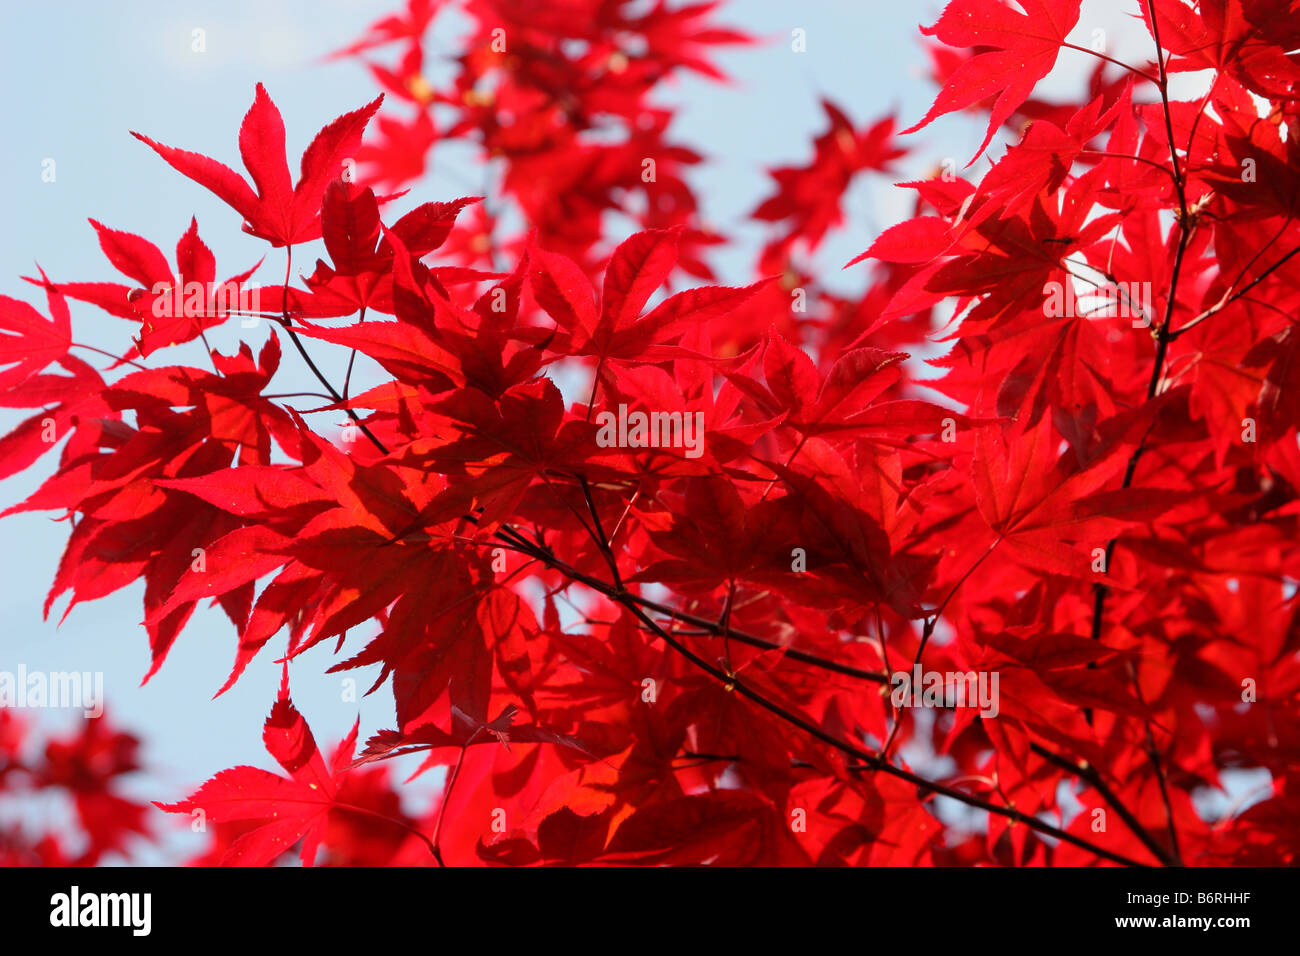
(658, 566)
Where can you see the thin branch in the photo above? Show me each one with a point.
(1087, 773)
(598, 534)
(433, 848)
(731, 681)
(1110, 59)
(299, 395)
(446, 798)
(1137, 159)
(1229, 299)
(320, 376)
(118, 358)
(871, 760)
(347, 378)
(1163, 339)
(1082, 771)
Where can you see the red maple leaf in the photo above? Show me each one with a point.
(1017, 50)
(287, 810)
(279, 211)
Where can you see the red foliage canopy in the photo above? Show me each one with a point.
(761, 589)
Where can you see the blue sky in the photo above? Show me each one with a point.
(75, 78)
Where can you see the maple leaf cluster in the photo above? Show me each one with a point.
(682, 612)
(80, 769)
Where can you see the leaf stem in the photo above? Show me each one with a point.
(872, 761)
(124, 361)
(1110, 59)
(320, 376)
